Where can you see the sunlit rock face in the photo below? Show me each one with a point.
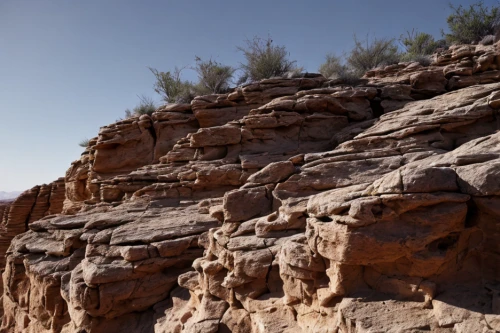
(286, 205)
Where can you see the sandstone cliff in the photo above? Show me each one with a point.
(287, 205)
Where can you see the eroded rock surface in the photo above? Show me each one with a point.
(286, 205)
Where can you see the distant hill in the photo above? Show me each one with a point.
(9, 195)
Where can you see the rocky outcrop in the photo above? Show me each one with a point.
(30, 206)
(4, 209)
(389, 215)
(287, 205)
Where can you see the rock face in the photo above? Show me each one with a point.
(4, 209)
(287, 205)
(31, 205)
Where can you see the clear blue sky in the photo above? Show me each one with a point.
(68, 67)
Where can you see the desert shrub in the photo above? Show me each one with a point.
(187, 94)
(423, 59)
(349, 76)
(84, 143)
(367, 54)
(332, 66)
(128, 114)
(264, 60)
(171, 87)
(472, 24)
(145, 106)
(420, 43)
(213, 77)
(294, 73)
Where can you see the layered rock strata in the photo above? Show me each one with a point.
(287, 205)
(30, 206)
(4, 209)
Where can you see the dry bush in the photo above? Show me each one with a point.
(171, 87)
(213, 77)
(472, 24)
(264, 60)
(367, 54)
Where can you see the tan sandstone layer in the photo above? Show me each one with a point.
(287, 205)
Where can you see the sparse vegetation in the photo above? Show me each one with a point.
(84, 143)
(294, 73)
(213, 77)
(420, 43)
(332, 66)
(423, 59)
(367, 54)
(364, 56)
(419, 46)
(145, 106)
(349, 76)
(171, 87)
(472, 24)
(264, 60)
